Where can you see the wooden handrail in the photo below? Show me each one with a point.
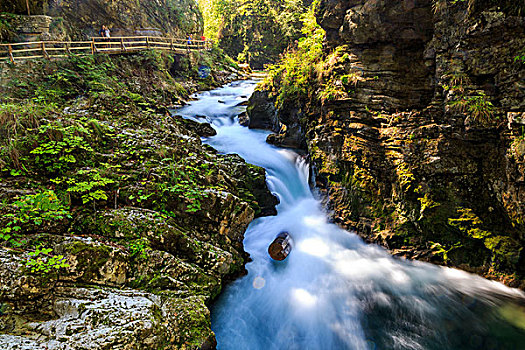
(113, 45)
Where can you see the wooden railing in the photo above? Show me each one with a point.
(114, 45)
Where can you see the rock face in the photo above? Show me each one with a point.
(285, 122)
(424, 153)
(261, 112)
(30, 28)
(78, 20)
(385, 40)
(124, 227)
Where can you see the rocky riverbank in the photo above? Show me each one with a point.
(118, 227)
(413, 115)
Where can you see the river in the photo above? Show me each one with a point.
(334, 291)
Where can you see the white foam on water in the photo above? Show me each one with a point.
(334, 291)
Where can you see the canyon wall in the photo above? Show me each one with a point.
(417, 128)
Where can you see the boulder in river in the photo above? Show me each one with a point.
(281, 246)
(243, 119)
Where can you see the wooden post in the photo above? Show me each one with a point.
(10, 49)
(44, 52)
(67, 48)
(122, 47)
(93, 49)
(171, 44)
(147, 42)
(27, 5)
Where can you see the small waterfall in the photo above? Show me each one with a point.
(334, 291)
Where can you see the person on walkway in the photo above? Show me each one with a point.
(189, 39)
(102, 33)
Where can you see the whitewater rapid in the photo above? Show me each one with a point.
(334, 291)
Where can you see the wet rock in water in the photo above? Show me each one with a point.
(201, 129)
(242, 103)
(261, 112)
(255, 183)
(221, 101)
(243, 119)
(285, 122)
(286, 139)
(281, 246)
(273, 139)
(206, 130)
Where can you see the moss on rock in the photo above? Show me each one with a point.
(149, 207)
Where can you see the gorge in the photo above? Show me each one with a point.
(412, 114)
(334, 291)
(384, 136)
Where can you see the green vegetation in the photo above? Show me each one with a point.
(440, 250)
(293, 76)
(474, 104)
(42, 261)
(22, 222)
(65, 134)
(520, 58)
(478, 107)
(6, 31)
(59, 147)
(505, 249)
(89, 184)
(27, 212)
(307, 73)
(254, 32)
(216, 13)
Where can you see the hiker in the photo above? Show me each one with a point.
(203, 38)
(104, 32)
(189, 39)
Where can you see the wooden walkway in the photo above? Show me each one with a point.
(49, 49)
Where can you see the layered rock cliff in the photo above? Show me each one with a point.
(414, 121)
